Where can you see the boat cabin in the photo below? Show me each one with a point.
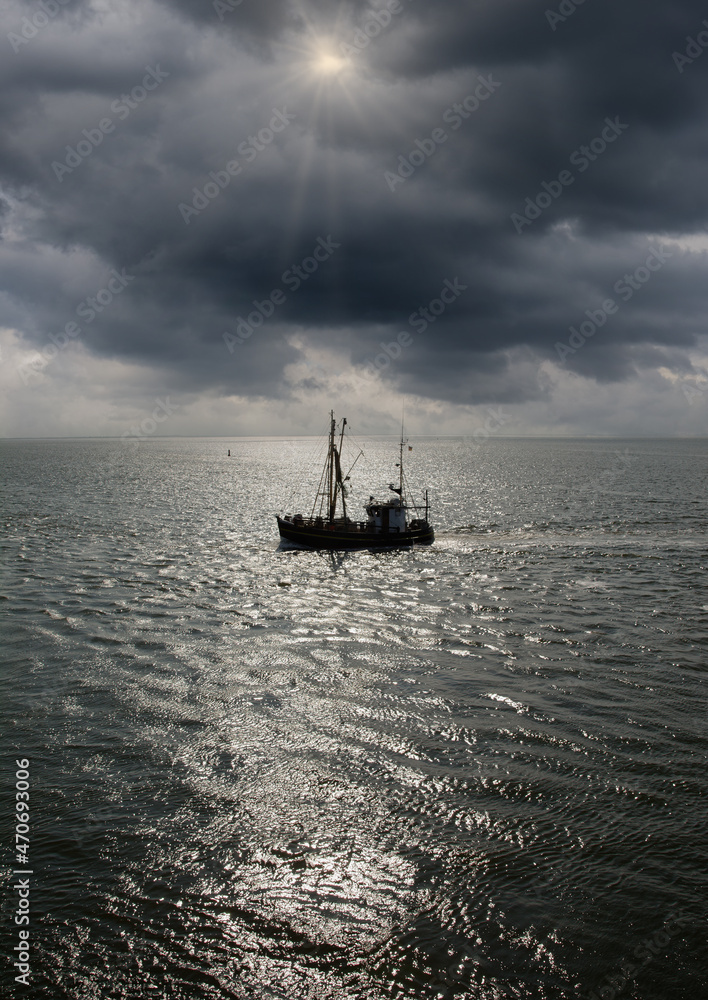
(387, 516)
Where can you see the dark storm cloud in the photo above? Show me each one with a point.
(340, 171)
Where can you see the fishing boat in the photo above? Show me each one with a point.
(388, 524)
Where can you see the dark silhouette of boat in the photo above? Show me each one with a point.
(388, 523)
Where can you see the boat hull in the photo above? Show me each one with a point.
(339, 538)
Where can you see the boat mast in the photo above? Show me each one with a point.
(332, 481)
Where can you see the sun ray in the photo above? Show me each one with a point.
(341, 93)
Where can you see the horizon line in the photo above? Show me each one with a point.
(245, 437)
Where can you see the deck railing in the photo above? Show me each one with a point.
(339, 524)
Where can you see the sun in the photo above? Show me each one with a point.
(326, 62)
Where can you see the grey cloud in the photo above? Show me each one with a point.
(324, 175)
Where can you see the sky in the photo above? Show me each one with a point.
(228, 217)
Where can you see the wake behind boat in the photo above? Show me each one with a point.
(388, 524)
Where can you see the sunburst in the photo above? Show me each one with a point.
(326, 62)
(337, 96)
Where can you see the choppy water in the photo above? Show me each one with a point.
(471, 770)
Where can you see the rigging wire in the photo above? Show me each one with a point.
(313, 459)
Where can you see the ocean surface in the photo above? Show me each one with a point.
(471, 770)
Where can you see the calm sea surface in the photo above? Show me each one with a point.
(472, 770)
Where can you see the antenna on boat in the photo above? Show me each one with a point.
(338, 465)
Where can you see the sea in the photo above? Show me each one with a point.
(475, 769)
